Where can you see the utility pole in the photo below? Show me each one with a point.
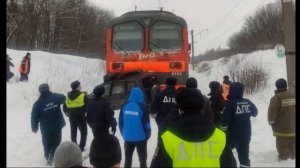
(192, 34)
(288, 18)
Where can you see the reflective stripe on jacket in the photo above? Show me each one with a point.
(282, 112)
(195, 154)
(78, 102)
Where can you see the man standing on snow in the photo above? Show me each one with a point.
(192, 140)
(281, 117)
(100, 115)
(164, 102)
(217, 101)
(46, 111)
(134, 124)
(24, 67)
(235, 120)
(75, 108)
(226, 86)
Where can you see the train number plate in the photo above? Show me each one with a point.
(176, 73)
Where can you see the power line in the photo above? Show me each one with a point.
(235, 23)
(232, 9)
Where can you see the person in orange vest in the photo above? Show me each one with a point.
(225, 86)
(24, 67)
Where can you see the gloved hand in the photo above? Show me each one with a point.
(113, 130)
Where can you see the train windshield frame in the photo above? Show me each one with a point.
(165, 35)
(128, 36)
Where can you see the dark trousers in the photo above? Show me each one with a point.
(78, 122)
(242, 148)
(24, 77)
(50, 141)
(141, 147)
(285, 147)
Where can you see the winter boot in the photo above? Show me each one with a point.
(50, 160)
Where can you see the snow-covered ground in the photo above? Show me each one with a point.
(24, 148)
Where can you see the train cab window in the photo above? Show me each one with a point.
(128, 37)
(107, 87)
(165, 36)
(130, 85)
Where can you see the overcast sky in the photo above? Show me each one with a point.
(221, 18)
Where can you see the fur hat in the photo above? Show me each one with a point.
(75, 84)
(99, 90)
(190, 100)
(171, 81)
(281, 84)
(67, 154)
(191, 83)
(105, 151)
(44, 88)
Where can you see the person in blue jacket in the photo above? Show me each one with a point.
(235, 120)
(46, 111)
(135, 127)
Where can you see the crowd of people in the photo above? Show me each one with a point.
(193, 130)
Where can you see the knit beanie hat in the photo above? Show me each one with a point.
(75, 84)
(171, 81)
(191, 83)
(99, 90)
(190, 100)
(67, 154)
(44, 88)
(281, 83)
(105, 151)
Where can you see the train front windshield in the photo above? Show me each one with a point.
(166, 36)
(128, 37)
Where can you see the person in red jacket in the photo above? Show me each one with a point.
(225, 86)
(24, 67)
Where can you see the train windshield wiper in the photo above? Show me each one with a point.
(155, 45)
(118, 45)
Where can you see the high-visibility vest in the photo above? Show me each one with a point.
(78, 102)
(195, 154)
(26, 67)
(225, 90)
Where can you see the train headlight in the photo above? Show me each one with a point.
(175, 65)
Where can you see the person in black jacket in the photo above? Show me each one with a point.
(217, 101)
(235, 120)
(100, 115)
(46, 112)
(164, 102)
(75, 108)
(191, 83)
(192, 140)
(8, 64)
